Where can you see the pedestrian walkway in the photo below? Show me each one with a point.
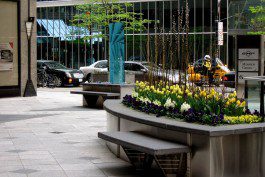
(53, 136)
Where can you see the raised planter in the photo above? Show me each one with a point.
(221, 151)
(130, 77)
(104, 77)
(122, 89)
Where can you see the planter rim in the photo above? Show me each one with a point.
(108, 84)
(116, 108)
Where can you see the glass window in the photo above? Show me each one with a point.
(39, 65)
(102, 64)
(127, 67)
(54, 65)
(135, 67)
(56, 40)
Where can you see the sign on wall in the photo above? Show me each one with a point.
(241, 76)
(6, 56)
(248, 65)
(248, 54)
(220, 33)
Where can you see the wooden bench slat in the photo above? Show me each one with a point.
(108, 94)
(144, 143)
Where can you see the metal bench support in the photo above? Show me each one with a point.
(172, 165)
(139, 159)
(142, 149)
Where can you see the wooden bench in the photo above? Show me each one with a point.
(141, 149)
(94, 98)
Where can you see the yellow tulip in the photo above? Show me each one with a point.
(243, 104)
(233, 100)
(203, 93)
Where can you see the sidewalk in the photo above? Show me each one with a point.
(52, 135)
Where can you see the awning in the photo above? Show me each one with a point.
(58, 29)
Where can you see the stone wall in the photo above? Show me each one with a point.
(24, 45)
(13, 81)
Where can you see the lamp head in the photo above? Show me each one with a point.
(31, 19)
(29, 26)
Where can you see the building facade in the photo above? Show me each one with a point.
(14, 48)
(56, 42)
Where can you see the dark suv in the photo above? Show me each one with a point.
(64, 75)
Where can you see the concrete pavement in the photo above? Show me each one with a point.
(52, 135)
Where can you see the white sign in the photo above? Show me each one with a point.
(248, 65)
(241, 76)
(220, 33)
(248, 54)
(6, 56)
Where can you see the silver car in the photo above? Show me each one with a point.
(101, 66)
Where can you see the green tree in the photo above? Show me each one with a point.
(257, 22)
(98, 14)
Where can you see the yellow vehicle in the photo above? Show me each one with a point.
(199, 74)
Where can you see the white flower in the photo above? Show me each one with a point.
(134, 94)
(156, 102)
(169, 103)
(145, 100)
(184, 107)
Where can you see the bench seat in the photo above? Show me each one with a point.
(144, 143)
(104, 94)
(95, 99)
(142, 149)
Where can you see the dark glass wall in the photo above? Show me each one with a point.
(56, 40)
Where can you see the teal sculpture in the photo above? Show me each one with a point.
(116, 61)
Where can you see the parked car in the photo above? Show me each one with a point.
(101, 66)
(229, 79)
(136, 58)
(64, 75)
(139, 68)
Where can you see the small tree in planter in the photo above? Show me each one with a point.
(100, 13)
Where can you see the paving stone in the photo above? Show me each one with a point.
(48, 173)
(16, 151)
(10, 174)
(80, 173)
(24, 171)
(15, 162)
(52, 135)
(30, 162)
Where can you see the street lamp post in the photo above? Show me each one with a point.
(30, 90)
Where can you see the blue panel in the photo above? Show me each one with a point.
(116, 62)
(59, 29)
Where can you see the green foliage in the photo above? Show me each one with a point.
(192, 104)
(257, 22)
(207, 101)
(98, 14)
